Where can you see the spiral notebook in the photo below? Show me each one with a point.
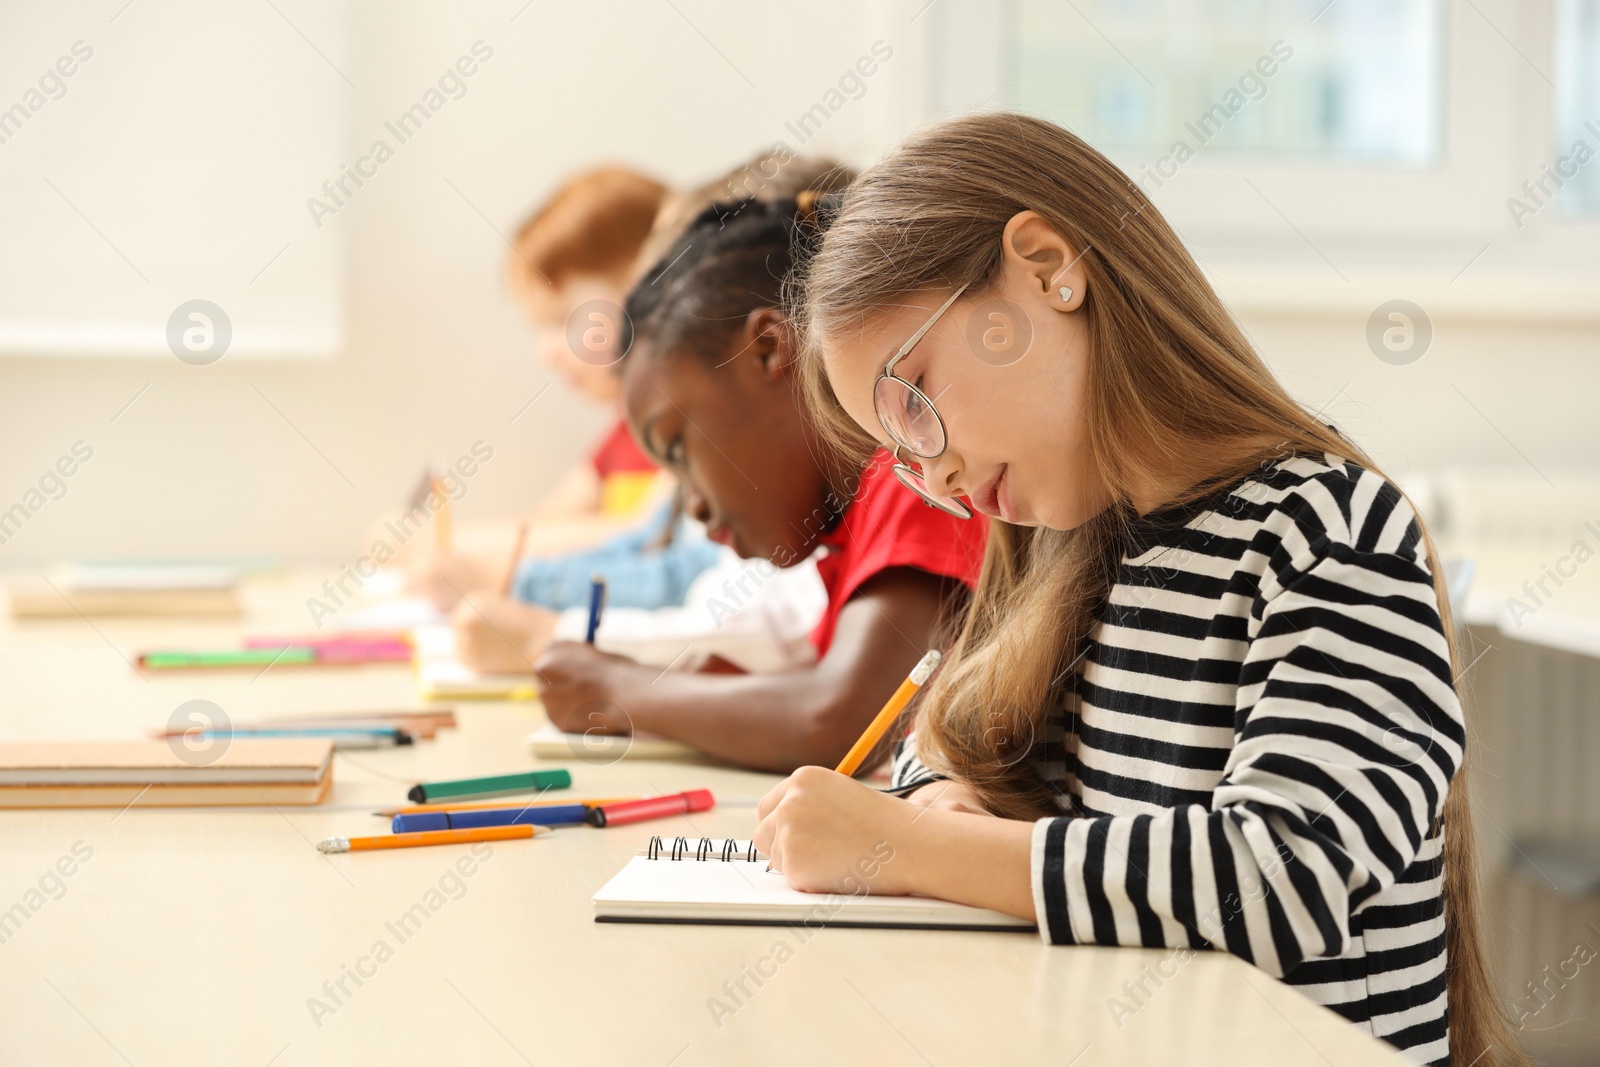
(727, 883)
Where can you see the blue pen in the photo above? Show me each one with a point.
(549, 815)
(597, 595)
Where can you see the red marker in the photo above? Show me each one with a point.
(650, 808)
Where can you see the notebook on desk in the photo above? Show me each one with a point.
(94, 774)
(547, 742)
(727, 883)
(440, 676)
(127, 589)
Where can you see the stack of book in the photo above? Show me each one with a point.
(164, 773)
(131, 589)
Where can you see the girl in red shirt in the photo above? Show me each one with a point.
(711, 391)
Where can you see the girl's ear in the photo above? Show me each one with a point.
(1039, 256)
(770, 338)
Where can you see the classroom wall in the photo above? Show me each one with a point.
(291, 459)
(1513, 394)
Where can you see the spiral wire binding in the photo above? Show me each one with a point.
(705, 850)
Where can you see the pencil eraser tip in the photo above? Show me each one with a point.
(417, 794)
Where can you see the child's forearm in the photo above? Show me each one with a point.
(971, 859)
(773, 722)
(784, 720)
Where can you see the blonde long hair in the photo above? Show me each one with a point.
(1174, 390)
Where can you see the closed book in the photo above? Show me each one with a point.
(128, 589)
(165, 772)
(30, 600)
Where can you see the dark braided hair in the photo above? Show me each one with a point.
(734, 258)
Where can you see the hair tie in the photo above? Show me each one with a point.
(817, 208)
(805, 203)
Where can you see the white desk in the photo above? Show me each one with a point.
(198, 936)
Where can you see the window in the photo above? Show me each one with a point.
(1322, 155)
(1577, 126)
(1358, 83)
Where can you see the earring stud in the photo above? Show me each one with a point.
(1066, 294)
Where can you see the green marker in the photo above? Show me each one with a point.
(499, 785)
(227, 657)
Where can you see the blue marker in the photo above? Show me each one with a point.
(549, 815)
(597, 596)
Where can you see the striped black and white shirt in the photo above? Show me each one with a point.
(1253, 753)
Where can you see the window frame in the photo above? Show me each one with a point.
(1311, 236)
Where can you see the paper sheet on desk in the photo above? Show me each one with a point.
(401, 614)
(713, 890)
(547, 742)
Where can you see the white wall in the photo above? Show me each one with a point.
(1535, 387)
(290, 459)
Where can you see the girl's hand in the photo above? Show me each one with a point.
(499, 636)
(583, 690)
(948, 796)
(829, 833)
(443, 578)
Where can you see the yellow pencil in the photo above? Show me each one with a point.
(431, 837)
(891, 711)
(516, 556)
(441, 521)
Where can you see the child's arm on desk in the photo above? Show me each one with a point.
(776, 721)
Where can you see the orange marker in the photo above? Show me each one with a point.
(431, 837)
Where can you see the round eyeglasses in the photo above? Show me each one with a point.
(912, 422)
(912, 479)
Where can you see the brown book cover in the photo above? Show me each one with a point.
(247, 794)
(40, 601)
(257, 761)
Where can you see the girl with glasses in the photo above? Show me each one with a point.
(1204, 697)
